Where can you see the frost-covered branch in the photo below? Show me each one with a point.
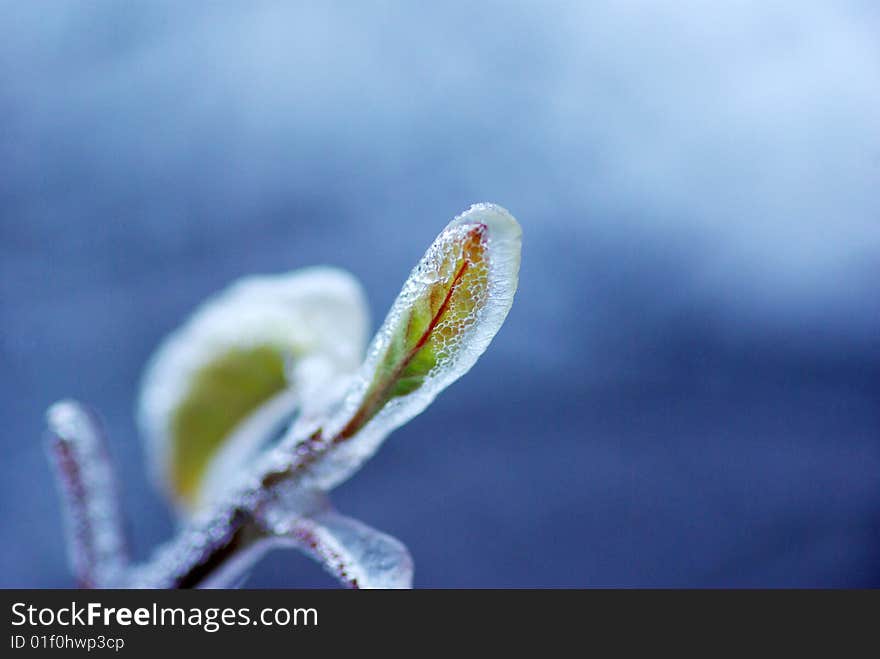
(93, 522)
(357, 555)
(219, 388)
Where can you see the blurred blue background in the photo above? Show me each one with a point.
(686, 390)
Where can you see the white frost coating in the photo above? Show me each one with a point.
(353, 552)
(172, 561)
(503, 241)
(356, 554)
(227, 470)
(94, 524)
(318, 313)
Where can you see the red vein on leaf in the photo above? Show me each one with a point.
(316, 444)
(367, 407)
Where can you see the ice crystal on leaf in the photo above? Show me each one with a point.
(276, 352)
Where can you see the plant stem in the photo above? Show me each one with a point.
(93, 521)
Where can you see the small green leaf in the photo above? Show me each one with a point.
(451, 306)
(238, 368)
(449, 289)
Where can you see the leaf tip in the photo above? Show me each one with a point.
(503, 236)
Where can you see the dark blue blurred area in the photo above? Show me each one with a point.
(687, 390)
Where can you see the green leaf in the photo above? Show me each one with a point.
(451, 306)
(453, 288)
(222, 394)
(237, 368)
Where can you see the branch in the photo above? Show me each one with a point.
(93, 523)
(217, 549)
(208, 554)
(357, 555)
(219, 554)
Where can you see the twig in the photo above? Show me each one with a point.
(95, 537)
(219, 547)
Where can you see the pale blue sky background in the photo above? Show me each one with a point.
(686, 391)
